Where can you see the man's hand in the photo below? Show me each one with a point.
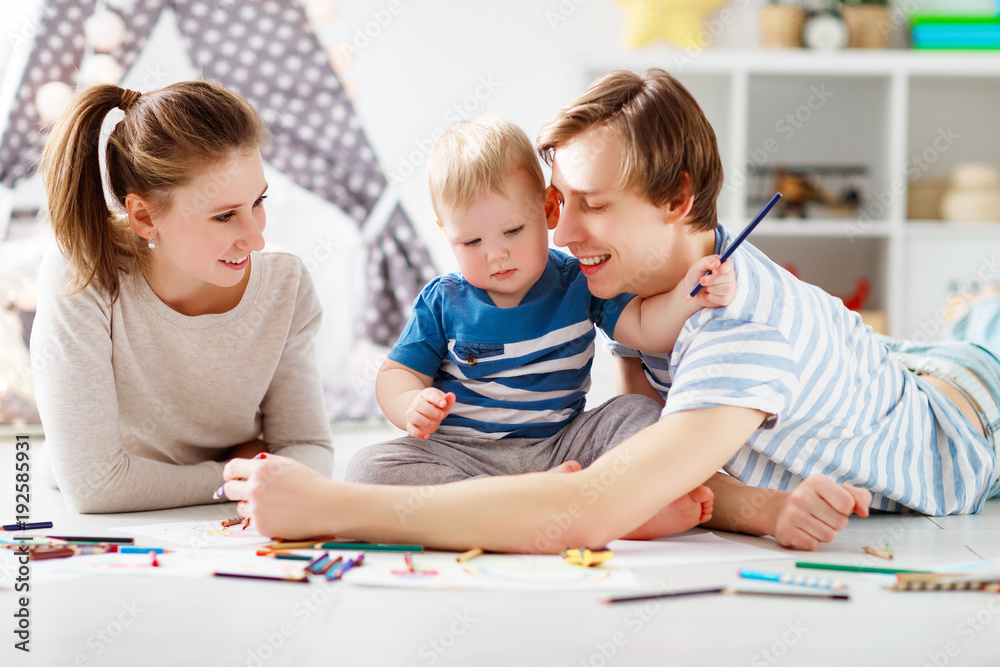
(816, 510)
(427, 410)
(283, 497)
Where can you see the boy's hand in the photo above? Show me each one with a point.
(427, 410)
(717, 288)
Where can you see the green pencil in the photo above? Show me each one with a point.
(364, 546)
(857, 568)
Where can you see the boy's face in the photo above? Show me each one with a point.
(622, 240)
(501, 244)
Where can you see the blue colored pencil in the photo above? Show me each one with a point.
(744, 234)
(794, 579)
(354, 562)
(27, 525)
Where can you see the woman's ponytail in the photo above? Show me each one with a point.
(91, 236)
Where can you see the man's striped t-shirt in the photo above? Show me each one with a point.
(516, 372)
(839, 405)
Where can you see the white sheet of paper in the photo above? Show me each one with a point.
(199, 534)
(181, 563)
(492, 572)
(690, 549)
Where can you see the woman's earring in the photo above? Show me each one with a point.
(152, 243)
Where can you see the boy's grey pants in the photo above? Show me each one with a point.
(442, 459)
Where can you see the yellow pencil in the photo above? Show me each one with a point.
(469, 555)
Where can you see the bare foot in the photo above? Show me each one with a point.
(960, 304)
(686, 512)
(567, 466)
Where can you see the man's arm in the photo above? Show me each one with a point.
(537, 512)
(631, 379)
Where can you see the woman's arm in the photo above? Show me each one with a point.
(537, 512)
(78, 403)
(295, 422)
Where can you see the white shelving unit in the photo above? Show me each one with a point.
(903, 115)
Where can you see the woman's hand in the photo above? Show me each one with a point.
(248, 450)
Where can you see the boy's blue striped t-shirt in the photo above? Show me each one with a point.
(516, 372)
(839, 404)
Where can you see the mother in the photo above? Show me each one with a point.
(167, 341)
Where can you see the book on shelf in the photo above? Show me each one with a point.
(955, 31)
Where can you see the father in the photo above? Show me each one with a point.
(812, 416)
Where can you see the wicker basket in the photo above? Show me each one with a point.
(870, 26)
(781, 26)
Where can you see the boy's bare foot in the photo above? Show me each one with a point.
(567, 466)
(960, 304)
(686, 512)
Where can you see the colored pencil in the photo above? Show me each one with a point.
(226, 523)
(103, 540)
(815, 593)
(66, 551)
(364, 546)
(744, 234)
(726, 590)
(793, 579)
(303, 544)
(263, 577)
(54, 552)
(27, 525)
(665, 594)
(354, 562)
(856, 568)
(469, 555)
(141, 550)
(316, 566)
(221, 491)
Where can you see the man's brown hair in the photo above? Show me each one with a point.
(665, 136)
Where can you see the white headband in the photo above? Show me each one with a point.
(108, 126)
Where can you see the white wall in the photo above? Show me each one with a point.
(435, 62)
(419, 66)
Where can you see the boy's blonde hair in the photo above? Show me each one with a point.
(666, 139)
(477, 155)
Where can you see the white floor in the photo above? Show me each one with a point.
(130, 620)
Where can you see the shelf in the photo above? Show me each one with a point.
(821, 228)
(947, 229)
(857, 126)
(860, 62)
